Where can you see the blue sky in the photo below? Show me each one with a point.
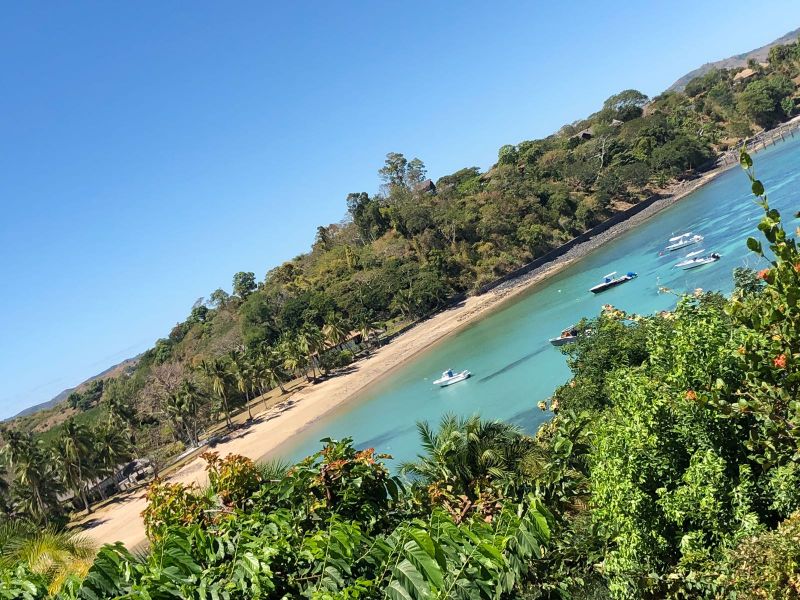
(149, 150)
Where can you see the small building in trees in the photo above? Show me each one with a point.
(425, 187)
(744, 75)
(585, 134)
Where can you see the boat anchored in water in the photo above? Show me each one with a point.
(569, 335)
(449, 377)
(610, 281)
(692, 261)
(683, 240)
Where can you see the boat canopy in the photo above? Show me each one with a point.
(680, 237)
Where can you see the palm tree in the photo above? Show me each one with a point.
(294, 358)
(466, 453)
(117, 400)
(335, 330)
(218, 375)
(111, 448)
(182, 407)
(241, 371)
(268, 371)
(54, 554)
(36, 484)
(365, 327)
(75, 449)
(311, 341)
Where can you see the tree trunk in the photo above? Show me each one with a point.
(227, 412)
(85, 500)
(247, 400)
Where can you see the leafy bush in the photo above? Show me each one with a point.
(233, 479)
(767, 565)
(170, 505)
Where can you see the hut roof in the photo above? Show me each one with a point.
(584, 134)
(426, 186)
(744, 74)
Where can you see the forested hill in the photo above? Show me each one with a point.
(112, 371)
(406, 251)
(735, 62)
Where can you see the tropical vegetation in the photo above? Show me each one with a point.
(670, 468)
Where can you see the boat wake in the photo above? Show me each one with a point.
(510, 366)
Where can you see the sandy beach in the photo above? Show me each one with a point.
(121, 521)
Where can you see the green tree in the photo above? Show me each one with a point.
(36, 483)
(217, 373)
(118, 401)
(244, 284)
(241, 370)
(59, 557)
(219, 298)
(112, 448)
(183, 410)
(762, 100)
(75, 451)
(625, 105)
(393, 172)
(268, 370)
(467, 454)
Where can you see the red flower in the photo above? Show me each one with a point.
(780, 361)
(797, 267)
(691, 395)
(762, 274)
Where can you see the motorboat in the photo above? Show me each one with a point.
(685, 239)
(569, 335)
(698, 261)
(449, 377)
(610, 281)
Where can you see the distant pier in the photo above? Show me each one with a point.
(761, 140)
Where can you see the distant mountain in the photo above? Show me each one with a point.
(734, 62)
(126, 365)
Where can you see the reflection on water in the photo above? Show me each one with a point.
(508, 352)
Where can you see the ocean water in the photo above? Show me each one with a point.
(513, 364)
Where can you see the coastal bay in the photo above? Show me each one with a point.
(501, 336)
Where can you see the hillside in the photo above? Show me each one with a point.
(125, 366)
(401, 255)
(734, 62)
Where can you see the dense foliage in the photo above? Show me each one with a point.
(336, 525)
(409, 249)
(669, 470)
(671, 467)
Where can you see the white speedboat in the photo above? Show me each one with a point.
(610, 281)
(449, 377)
(569, 335)
(698, 261)
(683, 240)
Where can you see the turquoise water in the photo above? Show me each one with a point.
(508, 352)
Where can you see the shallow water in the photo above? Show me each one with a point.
(513, 364)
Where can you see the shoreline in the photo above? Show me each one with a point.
(274, 428)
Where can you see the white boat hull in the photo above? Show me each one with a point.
(560, 341)
(685, 242)
(697, 263)
(445, 381)
(693, 263)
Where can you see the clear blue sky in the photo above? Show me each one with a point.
(149, 150)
